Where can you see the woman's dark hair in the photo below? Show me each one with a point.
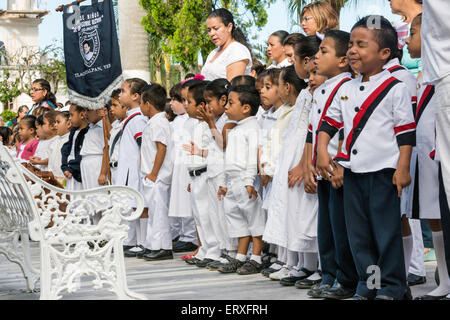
(175, 92)
(385, 34)
(281, 35)
(289, 75)
(64, 114)
(136, 85)
(274, 75)
(292, 39)
(156, 95)
(307, 47)
(243, 81)
(227, 18)
(115, 94)
(218, 88)
(5, 133)
(46, 86)
(30, 121)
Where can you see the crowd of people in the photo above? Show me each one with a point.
(311, 171)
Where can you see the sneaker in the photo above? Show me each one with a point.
(131, 253)
(250, 267)
(318, 290)
(282, 273)
(203, 263)
(276, 266)
(231, 267)
(213, 266)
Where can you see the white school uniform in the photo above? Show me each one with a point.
(215, 163)
(210, 248)
(390, 124)
(245, 216)
(43, 151)
(54, 161)
(293, 212)
(128, 172)
(92, 155)
(156, 194)
(180, 209)
(72, 184)
(114, 145)
(282, 64)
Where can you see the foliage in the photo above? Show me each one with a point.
(8, 115)
(296, 6)
(52, 66)
(179, 26)
(9, 89)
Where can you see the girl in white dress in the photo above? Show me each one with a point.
(46, 131)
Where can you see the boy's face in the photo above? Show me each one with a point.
(234, 109)
(289, 52)
(326, 62)
(191, 106)
(117, 110)
(415, 40)
(145, 108)
(364, 54)
(315, 80)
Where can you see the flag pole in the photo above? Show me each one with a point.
(61, 7)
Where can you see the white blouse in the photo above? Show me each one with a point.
(217, 69)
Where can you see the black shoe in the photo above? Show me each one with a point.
(339, 292)
(383, 297)
(318, 290)
(132, 254)
(306, 283)
(266, 272)
(408, 294)
(184, 247)
(267, 259)
(290, 281)
(203, 263)
(430, 298)
(125, 248)
(192, 261)
(414, 280)
(159, 255)
(175, 240)
(231, 267)
(250, 267)
(140, 255)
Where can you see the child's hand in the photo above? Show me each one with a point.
(151, 177)
(102, 179)
(68, 174)
(251, 192)
(264, 180)
(324, 165)
(295, 176)
(337, 180)
(35, 160)
(401, 179)
(192, 149)
(189, 188)
(221, 193)
(206, 114)
(310, 180)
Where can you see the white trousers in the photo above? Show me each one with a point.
(210, 247)
(443, 129)
(245, 217)
(219, 221)
(417, 264)
(184, 228)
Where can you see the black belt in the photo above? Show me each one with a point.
(114, 164)
(197, 173)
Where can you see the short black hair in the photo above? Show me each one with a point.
(385, 34)
(248, 95)
(175, 92)
(189, 83)
(341, 40)
(116, 93)
(40, 120)
(156, 95)
(258, 66)
(197, 91)
(243, 81)
(86, 42)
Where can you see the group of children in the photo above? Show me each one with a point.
(301, 173)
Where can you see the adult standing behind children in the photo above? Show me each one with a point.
(42, 95)
(232, 56)
(318, 17)
(275, 50)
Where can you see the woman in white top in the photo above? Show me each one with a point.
(275, 50)
(232, 56)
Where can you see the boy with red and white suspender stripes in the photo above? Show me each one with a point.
(413, 247)
(379, 132)
(128, 173)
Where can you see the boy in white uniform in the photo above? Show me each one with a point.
(243, 206)
(120, 113)
(128, 173)
(156, 167)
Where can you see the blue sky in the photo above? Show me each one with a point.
(51, 27)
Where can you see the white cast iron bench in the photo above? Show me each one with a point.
(61, 221)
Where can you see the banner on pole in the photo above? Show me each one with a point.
(92, 54)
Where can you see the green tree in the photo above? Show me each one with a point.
(9, 89)
(180, 25)
(296, 6)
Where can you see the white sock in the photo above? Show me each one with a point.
(241, 257)
(143, 228)
(311, 259)
(256, 258)
(314, 276)
(232, 253)
(444, 280)
(138, 233)
(408, 242)
(292, 258)
(301, 260)
(282, 254)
